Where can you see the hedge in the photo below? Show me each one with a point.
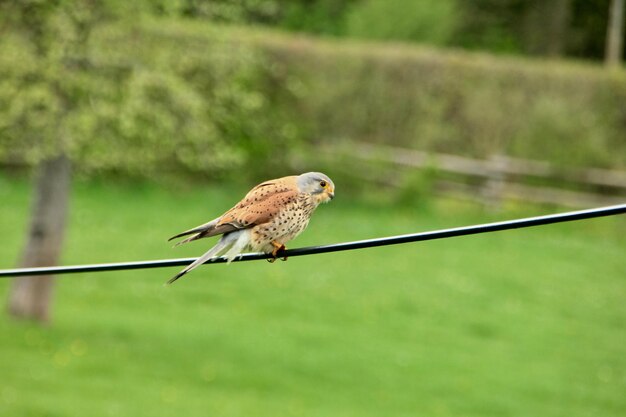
(204, 99)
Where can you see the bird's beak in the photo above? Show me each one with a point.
(331, 193)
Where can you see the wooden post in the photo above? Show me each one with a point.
(30, 297)
(493, 189)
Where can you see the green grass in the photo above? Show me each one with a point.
(520, 323)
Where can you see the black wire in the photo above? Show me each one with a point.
(312, 250)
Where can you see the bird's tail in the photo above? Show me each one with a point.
(235, 241)
(239, 245)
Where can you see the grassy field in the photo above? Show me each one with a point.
(520, 323)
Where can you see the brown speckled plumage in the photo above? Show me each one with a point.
(271, 214)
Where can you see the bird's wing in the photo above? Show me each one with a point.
(268, 188)
(260, 205)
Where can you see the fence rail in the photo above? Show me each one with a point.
(502, 177)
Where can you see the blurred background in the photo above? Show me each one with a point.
(123, 123)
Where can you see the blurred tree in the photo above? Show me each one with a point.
(536, 27)
(53, 35)
(58, 103)
(316, 16)
(229, 11)
(559, 27)
(587, 29)
(122, 101)
(490, 24)
(31, 295)
(546, 25)
(615, 34)
(413, 20)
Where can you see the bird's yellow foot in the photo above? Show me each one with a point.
(278, 247)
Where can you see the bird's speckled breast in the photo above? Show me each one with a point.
(286, 225)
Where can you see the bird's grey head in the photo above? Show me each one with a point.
(318, 185)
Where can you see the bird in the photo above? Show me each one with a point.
(271, 214)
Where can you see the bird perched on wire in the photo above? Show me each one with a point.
(271, 214)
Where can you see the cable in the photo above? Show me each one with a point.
(313, 250)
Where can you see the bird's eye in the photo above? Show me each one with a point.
(323, 183)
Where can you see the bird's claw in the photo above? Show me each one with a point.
(273, 259)
(278, 247)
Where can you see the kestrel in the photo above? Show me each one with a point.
(271, 214)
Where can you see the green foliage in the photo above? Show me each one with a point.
(48, 79)
(428, 21)
(564, 27)
(510, 26)
(229, 86)
(417, 189)
(518, 323)
(142, 107)
(493, 25)
(170, 97)
(460, 103)
(232, 11)
(321, 16)
(158, 122)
